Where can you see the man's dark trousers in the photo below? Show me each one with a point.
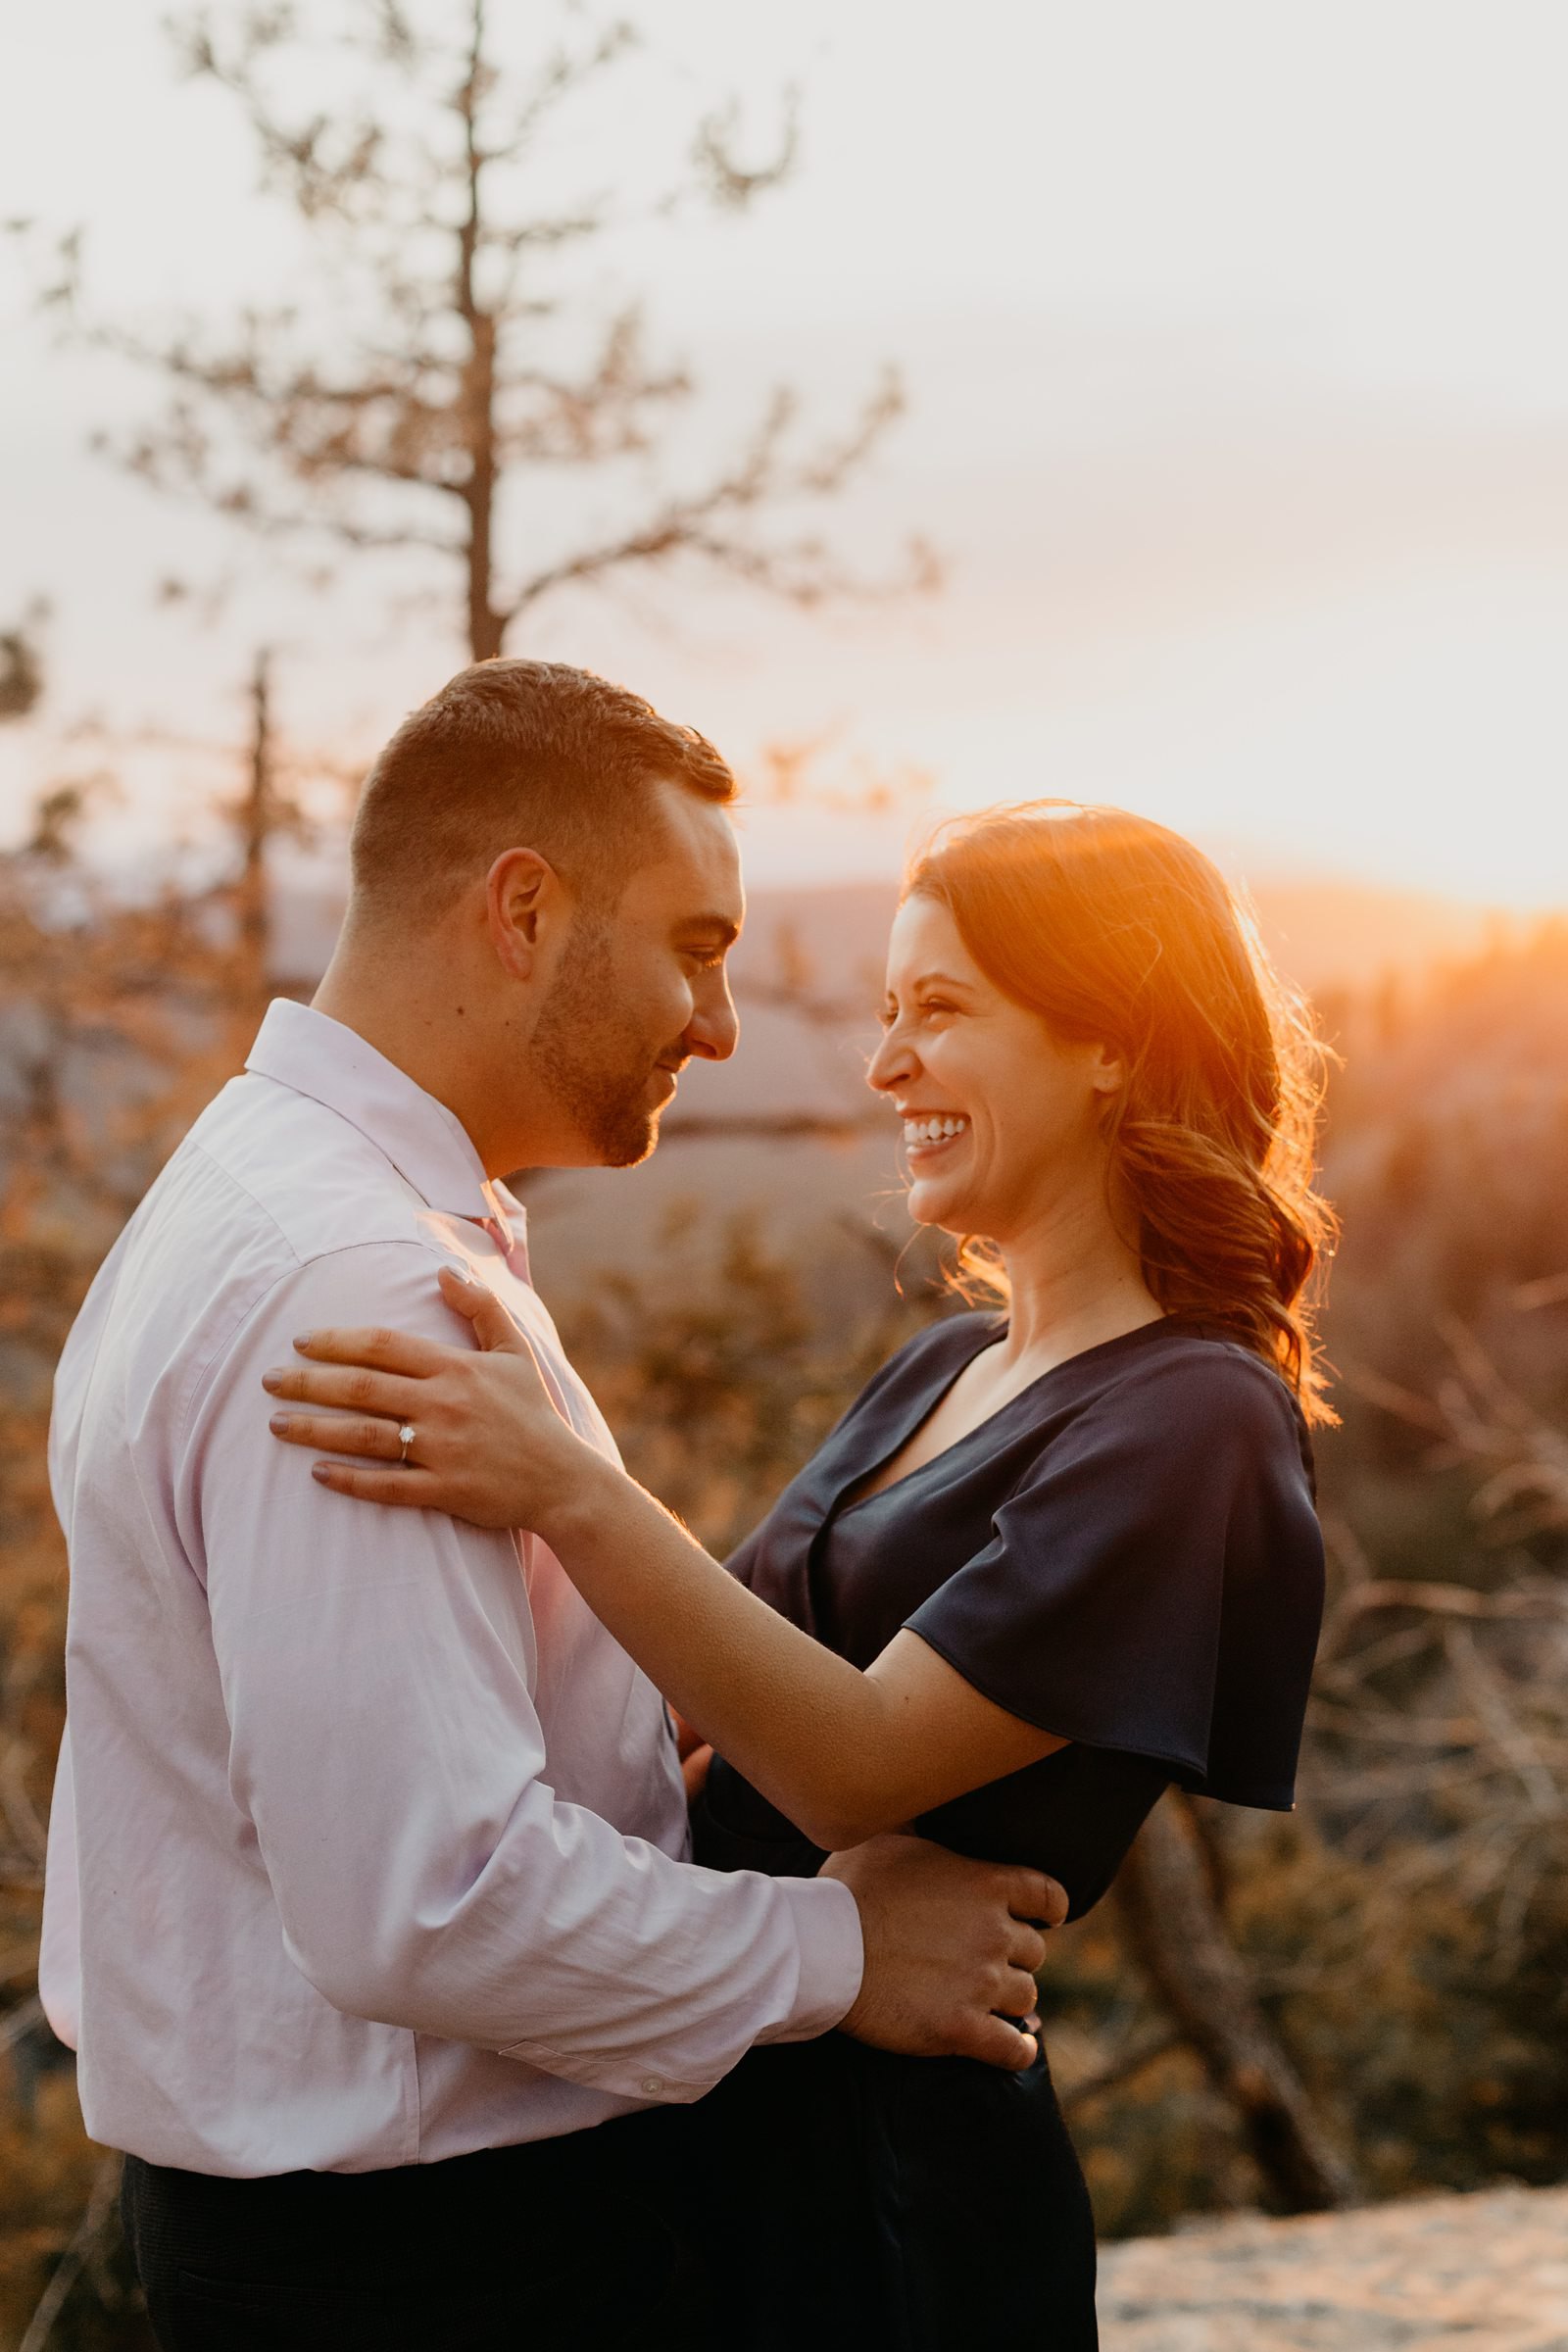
(576, 2241)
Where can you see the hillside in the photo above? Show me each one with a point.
(807, 977)
(1325, 934)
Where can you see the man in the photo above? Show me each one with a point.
(366, 1906)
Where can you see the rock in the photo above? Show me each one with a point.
(1472, 2273)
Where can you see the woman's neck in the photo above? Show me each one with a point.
(1074, 1283)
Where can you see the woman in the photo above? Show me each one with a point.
(1049, 1561)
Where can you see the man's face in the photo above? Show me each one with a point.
(642, 988)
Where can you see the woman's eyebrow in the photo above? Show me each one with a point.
(939, 980)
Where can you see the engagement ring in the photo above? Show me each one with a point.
(406, 1438)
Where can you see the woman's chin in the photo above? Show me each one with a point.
(931, 1201)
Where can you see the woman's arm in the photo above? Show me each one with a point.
(843, 1754)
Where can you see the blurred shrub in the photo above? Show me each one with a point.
(711, 1370)
(1440, 2067)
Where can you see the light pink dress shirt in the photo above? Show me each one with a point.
(368, 1838)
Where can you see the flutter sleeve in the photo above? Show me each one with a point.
(1153, 1585)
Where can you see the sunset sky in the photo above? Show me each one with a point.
(1237, 342)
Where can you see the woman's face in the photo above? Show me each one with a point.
(1000, 1118)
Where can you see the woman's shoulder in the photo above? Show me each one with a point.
(1181, 1403)
(1196, 1372)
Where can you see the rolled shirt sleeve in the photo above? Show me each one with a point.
(378, 1673)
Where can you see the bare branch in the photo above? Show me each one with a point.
(21, 2021)
(563, 72)
(23, 1818)
(1441, 1748)
(96, 2221)
(1119, 2071)
(52, 261)
(1503, 1723)
(713, 524)
(730, 183)
(1482, 1420)
(438, 352)
(1450, 1600)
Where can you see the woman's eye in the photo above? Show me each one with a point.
(936, 1005)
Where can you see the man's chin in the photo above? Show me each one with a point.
(630, 1143)
(637, 1134)
(621, 1133)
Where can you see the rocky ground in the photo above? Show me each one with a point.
(1474, 2273)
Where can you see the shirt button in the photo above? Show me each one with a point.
(653, 2085)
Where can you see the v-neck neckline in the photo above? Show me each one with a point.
(841, 1509)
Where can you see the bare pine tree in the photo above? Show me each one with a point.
(447, 368)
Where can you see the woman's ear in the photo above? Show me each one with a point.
(1108, 1072)
(522, 891)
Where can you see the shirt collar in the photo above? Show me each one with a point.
(427, 1145)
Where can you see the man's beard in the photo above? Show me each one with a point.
(591, 1055)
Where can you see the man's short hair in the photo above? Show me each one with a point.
(522, 755)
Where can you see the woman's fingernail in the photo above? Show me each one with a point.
(320, 1473)
(304, 1340)
(278, 1424)
(272, 1382)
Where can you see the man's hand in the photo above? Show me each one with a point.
(949, 1943)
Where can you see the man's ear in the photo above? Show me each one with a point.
(523, 897)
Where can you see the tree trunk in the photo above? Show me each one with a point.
(486, 626)
(1177, 1933)
(258, 819)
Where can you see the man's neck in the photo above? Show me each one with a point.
(413, 1012)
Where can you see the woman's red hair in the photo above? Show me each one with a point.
(1116, 931)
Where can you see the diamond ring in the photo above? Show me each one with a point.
(406, 1438)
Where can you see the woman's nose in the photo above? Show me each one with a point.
(891, 1064)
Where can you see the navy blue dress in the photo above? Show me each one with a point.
(1126, 1554)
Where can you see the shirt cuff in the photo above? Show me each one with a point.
(827, 1930)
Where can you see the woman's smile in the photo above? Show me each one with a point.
(933, 1135)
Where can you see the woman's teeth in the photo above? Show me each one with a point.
(919, 1133)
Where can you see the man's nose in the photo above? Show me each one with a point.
(715, 1028)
